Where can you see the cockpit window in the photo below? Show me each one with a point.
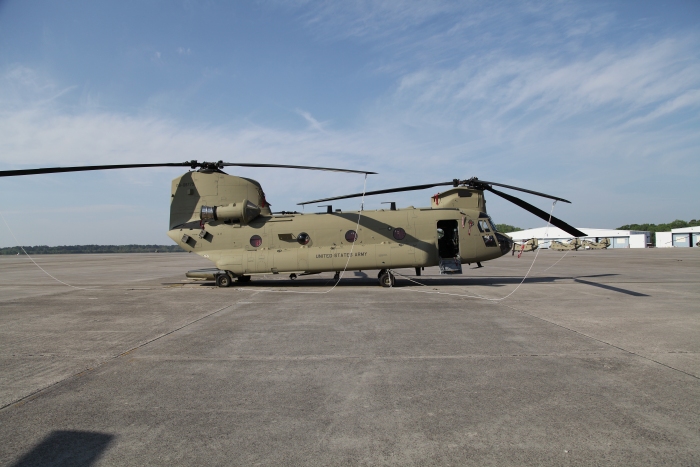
(484, 226)
(493, 226)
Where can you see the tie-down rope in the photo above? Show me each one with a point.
(479, 296)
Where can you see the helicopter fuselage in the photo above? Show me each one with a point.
(454, 227)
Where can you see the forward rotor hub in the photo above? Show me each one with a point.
(206, 166)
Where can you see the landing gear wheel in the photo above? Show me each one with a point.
(223, 280)
(293, 276)
(387, 279)
(243, 279)
(337, 276)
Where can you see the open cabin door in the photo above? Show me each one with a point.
(448, 247)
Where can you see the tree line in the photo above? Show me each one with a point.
(505, 228)
(653, 228)
(94, 249)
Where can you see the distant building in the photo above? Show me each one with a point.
(684, 237)
(618, 238)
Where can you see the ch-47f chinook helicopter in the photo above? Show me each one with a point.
(227, 220)
(572, 245)
(523, 247)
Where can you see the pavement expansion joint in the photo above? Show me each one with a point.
(37, 392)
(292, 358)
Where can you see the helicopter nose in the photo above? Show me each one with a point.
(505, 242)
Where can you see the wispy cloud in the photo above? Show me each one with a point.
(423, 32)
(313, 123)
(614, 84)
(21, 84)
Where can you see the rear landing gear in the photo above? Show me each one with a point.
(386, 278)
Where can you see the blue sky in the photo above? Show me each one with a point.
(596, 102)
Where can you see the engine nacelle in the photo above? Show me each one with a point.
(243, 212)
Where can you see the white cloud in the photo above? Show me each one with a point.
(313, 123)
(371, 19)
(543, 100)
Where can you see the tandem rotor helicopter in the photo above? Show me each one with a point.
(227, 220)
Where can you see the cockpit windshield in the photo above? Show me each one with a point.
(493, 226)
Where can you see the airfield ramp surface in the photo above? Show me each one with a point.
(595, 360)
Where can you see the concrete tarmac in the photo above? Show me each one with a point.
(594, 360)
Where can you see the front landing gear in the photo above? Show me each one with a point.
(386, 278)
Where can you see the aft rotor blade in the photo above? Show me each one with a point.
(380, 192)
(191, 164)
(544, 195)
(85, 168)
(305, 167)
(539, 213)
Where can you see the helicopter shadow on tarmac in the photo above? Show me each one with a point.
(67, 448)
(362, 279)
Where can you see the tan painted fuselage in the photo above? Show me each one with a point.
(601, 245)
(384, 239)
(573, 244)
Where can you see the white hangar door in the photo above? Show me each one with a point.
(681, 240)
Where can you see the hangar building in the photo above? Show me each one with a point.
(685, 237)
(618, 238)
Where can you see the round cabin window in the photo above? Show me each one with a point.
(351, 236)
(303, 238)
(256, 241)
(399, 233)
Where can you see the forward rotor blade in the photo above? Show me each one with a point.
(85, 168)
(380, 192)
(305, 167)
(539, 213)
(544, 195)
